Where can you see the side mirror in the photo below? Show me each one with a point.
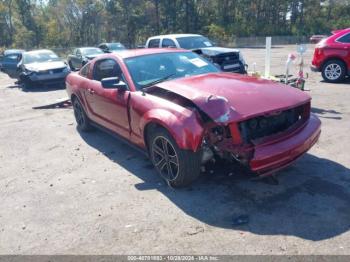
(113, 82)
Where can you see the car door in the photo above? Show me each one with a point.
(10, 63)
(343, 43)
(108, 106)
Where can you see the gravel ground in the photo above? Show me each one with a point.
(63, 192)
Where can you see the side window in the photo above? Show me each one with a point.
(11, 58)
(168, 43)
(85, 70)
(345, 39)
(107, 68)
(154, 43)
(78, 53)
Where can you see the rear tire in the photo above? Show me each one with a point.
(83, 122)
(176, 166)
(334, 71)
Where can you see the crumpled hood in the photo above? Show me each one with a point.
(228, 97)
(45, 66)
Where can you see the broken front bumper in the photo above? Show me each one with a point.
(271, 157)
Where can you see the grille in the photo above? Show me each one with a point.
(264, 126)
(54, 71)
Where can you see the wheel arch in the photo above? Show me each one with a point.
(330, 58)
(74, 96)
(187, 132)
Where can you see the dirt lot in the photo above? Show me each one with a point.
(63, 192)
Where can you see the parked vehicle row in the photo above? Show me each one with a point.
(180, 106)
(43, 70)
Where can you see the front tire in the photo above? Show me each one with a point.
(334, 71)
(176, 166)
(81, 118)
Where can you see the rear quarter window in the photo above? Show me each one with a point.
(13, 57)
(344, 39)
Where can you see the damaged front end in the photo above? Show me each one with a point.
(264, 143)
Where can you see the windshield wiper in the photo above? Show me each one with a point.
(157, 81)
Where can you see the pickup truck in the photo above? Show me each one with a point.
(227, 59)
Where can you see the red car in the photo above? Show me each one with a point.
(332, 56)
(183, 111)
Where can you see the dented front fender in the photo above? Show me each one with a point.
(186, 129)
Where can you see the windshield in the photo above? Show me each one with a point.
(91, 51)
(193, 42)
(40, 57)
(154, 68)
(116, 46)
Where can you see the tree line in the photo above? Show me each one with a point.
(65, 23)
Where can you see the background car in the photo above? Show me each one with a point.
(227, 59)
(111, 47)
(332, 56)
(42, 67)
(81, 56)
(183, 111)
(317, 38)
(9, 61)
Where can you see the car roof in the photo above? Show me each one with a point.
(38, 51)
(88, 47)
(108, 43)
(174, 35)
(13, 51)
(128, 53)
(341, 31)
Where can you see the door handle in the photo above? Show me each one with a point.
(91, 91)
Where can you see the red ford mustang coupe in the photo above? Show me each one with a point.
(182, 111)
